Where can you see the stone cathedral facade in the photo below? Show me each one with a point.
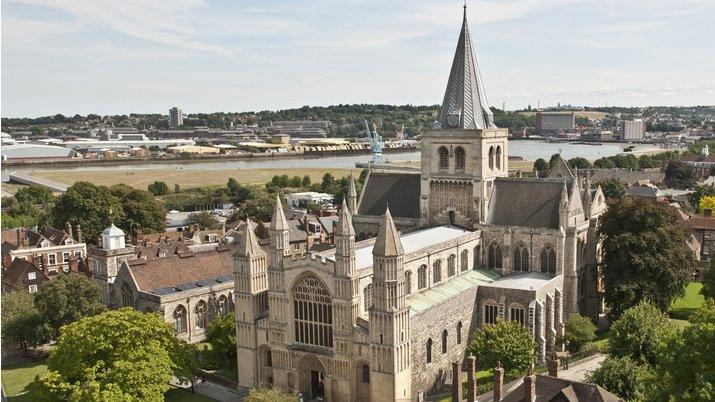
(422, 259)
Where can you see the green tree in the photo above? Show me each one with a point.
(266, 394)
(141, 210)
(158, 188)
(259, 207)
(22, 324)
(708, 280)
(305, 182)
(221, 334)
(613, 189)
(233, 186)
(700, 192)
(578, 331)
(623, 376)
(177, 188)
(507, 342)
(203, 219)
(579, 163)
(118, 355)
(645, 255)
(706, 202)
(685, 367)
(83, 203)
(639, 333)
(35, 194)
(604, 163)
(540, 165)
(66, 299)
(679, 175)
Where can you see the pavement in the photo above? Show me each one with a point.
(215, 391)
(578, 371)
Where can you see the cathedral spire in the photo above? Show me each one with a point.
(248, 244)
(345, 222)
(388, 242)
(278, 220)
(352, 195)
(465, 103)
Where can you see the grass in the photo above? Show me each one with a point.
(17, 378)
(217, 363)
(182, 395)
(691, 301)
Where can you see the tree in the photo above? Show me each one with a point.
(613, 189)
(158, 188)
(553, 159)
(221, 334)
(35, 194)
(21, 322)
(639, 332)
(83, 203)
(66, 299)
(203, 219)
(700, 192)
(604, 163)
(117, 355)
(259, 206)
(507, 342)
(645, 255)
(141, 209)
(540, 165)
(265, 394)
(305, 182)
(579, 331)
(177, 188)
(679, 175)
(579, 163)
(706, 202)
(623, 376)
(708, 280)
(233, 186)
(685, 367)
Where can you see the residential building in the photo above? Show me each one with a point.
(49, 248)
(176, 117)
(23, 275)
(631, 130)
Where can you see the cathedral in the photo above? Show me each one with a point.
(422, 259)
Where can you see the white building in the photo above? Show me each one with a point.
(176, 117)
(303, 199)
(632, 129)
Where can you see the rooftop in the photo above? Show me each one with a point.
(423, 301)
(525, 281)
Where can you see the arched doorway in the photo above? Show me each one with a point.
(362, 381)
(312, 378)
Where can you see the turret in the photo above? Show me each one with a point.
(352, 195)
(347, 283)
(564, 206)
(279, 231)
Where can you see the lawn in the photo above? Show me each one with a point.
(17, 378)
(182, 395)
(691, 301)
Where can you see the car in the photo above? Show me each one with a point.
(173, 211)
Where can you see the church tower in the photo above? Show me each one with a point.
(465, 152)
(251, 284)
(390, 365)
(347, 283)
(280, 249)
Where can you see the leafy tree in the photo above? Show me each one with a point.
(221, 334)
(553, 159)
(118, 355)
(35, 194)
(507, 342)
(579, 163)
(315, 208)
(679, 175)
(203, 219)
(21, 322)
(604, 163)
(613, 189)
(623, 376)
(141, 209)
(66, 299)
(296, 181)
(708, 280)
(639, 332)
(579, 331)
(706, 202)
(259, 206)
(699, 193)
(305, 182)
(158, 188)
(685, 367)
(233, 186)
(266, 394)
(86, 204)
(645, 255)
(540, 165)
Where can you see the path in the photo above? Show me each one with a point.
(215, 391)
(578, 371)
(26, 178)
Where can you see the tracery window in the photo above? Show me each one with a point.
(127, 296)
(367, 297)
(548, 259)
(491, 312)
(422, 277)
(222, 305)
(443, 158)
(464, 261)
(313, 312)
(451, 265)
(428, 355)
(491, 158)
(521, 258)
(517, 314)
(201, 314)
(180, 319)
(437, 271)
(459, 158)
(494, 256)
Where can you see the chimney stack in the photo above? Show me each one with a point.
(553, 364)
(471, 379)
(498, 382)
(68, 229)
(19, 237)
(73, 264)
(530, 385)
(78, 229)
(456, 382)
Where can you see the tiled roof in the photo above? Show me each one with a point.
(559, 389)
(16, 271)
(526, 202)
(627, 176)
(401, 191)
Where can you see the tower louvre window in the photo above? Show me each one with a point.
(459, 158)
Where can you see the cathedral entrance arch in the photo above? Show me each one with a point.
(312, 378)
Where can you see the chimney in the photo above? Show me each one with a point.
(553, 364)
(74, 264)
(43, 264)
(456, 382)
(708, 212)
(99, 241)
(78, 229)
(19, 237)
(471, 379)
(530, 385)
(68, 229)
(498, 382)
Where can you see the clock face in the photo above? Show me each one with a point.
(453, 120)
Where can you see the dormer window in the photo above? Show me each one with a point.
(69, 241)
(45, 243)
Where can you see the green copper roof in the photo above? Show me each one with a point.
(423, 301)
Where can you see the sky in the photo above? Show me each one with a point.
(139, 56)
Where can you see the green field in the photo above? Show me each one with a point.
(691, 301)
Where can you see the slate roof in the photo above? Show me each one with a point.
(627, 176)
(15, 273)
(526, 202)
(644, 191)
(400, 190)
(559, 389)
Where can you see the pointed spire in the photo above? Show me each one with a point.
(345, 222)
(564, 194)
(279, 222)
(248, 243)
(351, 188)
(388, 242)
(352, 195)
(465, 103)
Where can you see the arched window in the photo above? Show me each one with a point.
(444, 341)
(459, 332)
(495, 259)
(408, 282)
(222, 304)
(365, 373)
(491, 158)
(516, 314)
(180, 319)
(313, 312)
(451, 265)
(428, 355)
(464, 260)
(548, 259)
(498, 157)
(443, 158)
(422, 277)
(437, 271)
(521, 258)
(459, 158)
(201, 316)
(127, 296)
(477, 256)
(491, 312)
(367, 297)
